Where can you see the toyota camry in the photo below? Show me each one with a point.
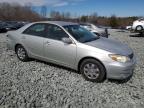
(70, 45)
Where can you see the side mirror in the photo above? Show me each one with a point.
(67, 40)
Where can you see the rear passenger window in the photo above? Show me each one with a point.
(36, 30)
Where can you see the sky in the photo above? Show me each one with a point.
(120, 8)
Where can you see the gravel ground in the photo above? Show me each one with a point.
(37, 84)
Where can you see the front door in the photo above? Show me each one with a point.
(56, 50)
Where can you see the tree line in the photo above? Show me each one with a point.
(112, 21)
(16, 12)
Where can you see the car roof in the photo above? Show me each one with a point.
(61, 23)
(141, 19)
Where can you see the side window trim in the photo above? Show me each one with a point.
(32, 26)
(28, 28)
(59, 28)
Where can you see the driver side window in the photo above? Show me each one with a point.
(55, 32)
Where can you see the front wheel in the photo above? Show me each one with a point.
(21, 53)
(93, 70)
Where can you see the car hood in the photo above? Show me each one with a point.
(111, 46)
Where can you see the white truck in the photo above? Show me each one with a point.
(138, 25)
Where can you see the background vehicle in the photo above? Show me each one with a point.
(128, 28)
(2, 27)
(93, 28)
(69, 44)
(14, 25)
(138, 25)
(11, 25)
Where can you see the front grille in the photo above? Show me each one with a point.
(131, 56)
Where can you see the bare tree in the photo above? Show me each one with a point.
(28, 5)
(55, 15)
(44, 11)
(93, 18)
(113, 21)
(15, 11)
(84, 18)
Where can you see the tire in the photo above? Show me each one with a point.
(139, 28)
(142, 34)
(92, 70)
(22, 53)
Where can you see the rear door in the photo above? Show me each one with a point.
(33, 38)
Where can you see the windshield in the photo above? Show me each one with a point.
(141, 19)
(80, 33)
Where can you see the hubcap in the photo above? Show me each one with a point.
(21, 53)
(139, 28)
(91, 71)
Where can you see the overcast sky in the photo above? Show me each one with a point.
(80, 7)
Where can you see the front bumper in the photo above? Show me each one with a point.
(120, 71)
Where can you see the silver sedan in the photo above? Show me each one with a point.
(69, 44)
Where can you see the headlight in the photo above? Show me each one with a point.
(119, 58)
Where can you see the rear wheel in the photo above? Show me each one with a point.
(92, 70)
(139, 28)
(21, 53)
